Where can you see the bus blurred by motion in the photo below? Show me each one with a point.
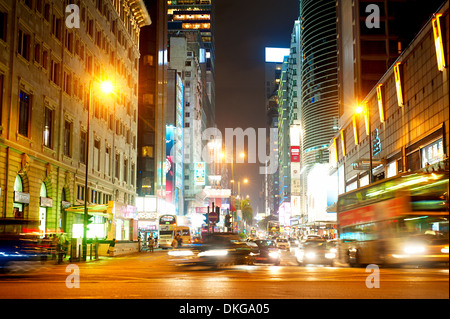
(273, 229)
(168, 230)
(399, 220)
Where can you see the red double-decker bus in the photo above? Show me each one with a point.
(398, 220)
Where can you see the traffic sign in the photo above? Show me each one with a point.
(213, 216)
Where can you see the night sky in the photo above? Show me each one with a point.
(243, 29)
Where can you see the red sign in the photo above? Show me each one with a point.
(213, 217)
(295, 153)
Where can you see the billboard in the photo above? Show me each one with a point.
(200, 173)
(295, 153)
(276, 54)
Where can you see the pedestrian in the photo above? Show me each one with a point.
(151, 244)
(112, 244)
(174, 243)
(179, 240)
(54, 245)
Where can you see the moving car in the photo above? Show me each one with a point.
(283, 243)
(268, 252)
(316, 251)
(20, 249)
(218, 250)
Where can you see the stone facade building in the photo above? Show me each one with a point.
(47, 63)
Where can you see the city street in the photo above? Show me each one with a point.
(151, 276)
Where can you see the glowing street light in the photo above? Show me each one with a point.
(105, 87)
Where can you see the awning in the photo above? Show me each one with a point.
(92, 209)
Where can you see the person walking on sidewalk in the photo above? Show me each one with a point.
(151, 244)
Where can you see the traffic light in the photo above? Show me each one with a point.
(218, 213)
(227, 222)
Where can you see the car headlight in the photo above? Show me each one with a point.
(179, 253)
(333, 250)
(444, 250)
(413, 249)
(310, 255)
(274, 254)
(330, 255)
(215, 252)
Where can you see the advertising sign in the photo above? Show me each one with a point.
(200, 173)
(295, 153)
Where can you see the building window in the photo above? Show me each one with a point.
(48, 127)
(55, 72)
(83, 139)
(56, 27)
(107, 161)
(67, 82)
(125, 170)
(3, 26)
(23, 46)
(97, 155)
(117, 173)
(67, 138)
(24, 113)
(80, 192)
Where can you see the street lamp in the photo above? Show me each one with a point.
(106, 88)
(365, 110)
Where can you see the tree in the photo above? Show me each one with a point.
(247, 211)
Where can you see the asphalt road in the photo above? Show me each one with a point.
(152, 276)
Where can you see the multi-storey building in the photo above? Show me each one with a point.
(187, 55)
(371, 36)
(50, 66)
(284, 167)
(273, 67)
(406, 114)
(153, 104)
(319, 110)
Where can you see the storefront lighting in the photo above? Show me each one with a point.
(380, 101)
(336, 149)
(438, 42)
(355, 129)
(398, 83)
(343, 142)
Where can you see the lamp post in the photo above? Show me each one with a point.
(106, 87)
(365, 110)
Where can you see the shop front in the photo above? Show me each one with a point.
(112, 222)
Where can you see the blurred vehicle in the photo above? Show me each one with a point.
(283, 244)
(273, 228)
(316, 251)
(267, 252)
(218, 250)
(168, 230)
(20, 247)
(395, 221)
(293, 242)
